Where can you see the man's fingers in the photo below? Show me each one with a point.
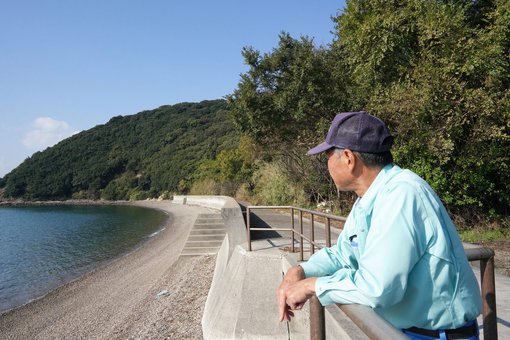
(282, 305)
(294, 306)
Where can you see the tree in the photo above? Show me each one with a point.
(287, 94)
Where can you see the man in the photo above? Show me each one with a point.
(399, 251)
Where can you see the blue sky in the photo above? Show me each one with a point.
(66, 66)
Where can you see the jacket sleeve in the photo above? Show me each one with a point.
(394, 244)
(327, 261)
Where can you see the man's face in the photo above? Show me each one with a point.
(338, 169)
(335, 167)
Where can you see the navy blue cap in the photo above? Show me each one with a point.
(356, 131)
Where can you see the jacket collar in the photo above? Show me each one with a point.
(366, 202)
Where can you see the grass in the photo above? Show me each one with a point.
(477, 235)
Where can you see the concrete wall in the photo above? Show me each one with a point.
(241, 300)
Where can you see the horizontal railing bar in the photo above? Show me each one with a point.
(316, 213)
(310, 241)
(271, 229)
(322, 214)
(373, 325)
(477, 254)
(270, 207)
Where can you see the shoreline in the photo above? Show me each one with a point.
(14, 203)
(103, 263)
(127, 295)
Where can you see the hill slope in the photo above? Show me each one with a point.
(133, 156)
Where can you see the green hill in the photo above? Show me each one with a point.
(137, 156)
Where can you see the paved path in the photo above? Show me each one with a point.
(281, 219)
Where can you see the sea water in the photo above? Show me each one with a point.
(43, 247)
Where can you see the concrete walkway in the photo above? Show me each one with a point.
(281, 240)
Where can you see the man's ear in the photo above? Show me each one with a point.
(350, 159)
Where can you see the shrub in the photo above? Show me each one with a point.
(273, 187)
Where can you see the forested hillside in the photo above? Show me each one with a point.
(137, 156)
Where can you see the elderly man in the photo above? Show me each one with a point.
(399, 251)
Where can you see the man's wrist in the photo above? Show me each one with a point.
(294, 274)
(310, 284)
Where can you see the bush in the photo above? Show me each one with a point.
(273, 187)
(137, 195)
(205, 187)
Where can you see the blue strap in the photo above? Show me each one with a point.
(442, 334)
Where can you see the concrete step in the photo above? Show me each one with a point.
(207, 237)
(203, 244)
(207, 231)
(197, 254)
(208, 220)
(188, 250)
(208, 225)
(209, 216)
(215, 227)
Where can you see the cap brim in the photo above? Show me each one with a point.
(319, 149)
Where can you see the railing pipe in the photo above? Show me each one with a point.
(372, 324)
(488, 287)
(292, 227)
(301, 257)
(248, 229)
(328, 232)
(312, 235)
(325, 215)
(490, 320)
(317, 320)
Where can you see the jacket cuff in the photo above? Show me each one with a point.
(309, 270)
(321, 290)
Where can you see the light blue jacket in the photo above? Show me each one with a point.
(400, 254)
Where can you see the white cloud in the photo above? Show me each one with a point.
(46, 132)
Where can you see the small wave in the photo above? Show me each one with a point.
(157, 232)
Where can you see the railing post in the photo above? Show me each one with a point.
(292, 227)
(328, 232)
(312, 247)
(488, 298)
(248, 234)
(317, 320)
(301, 257)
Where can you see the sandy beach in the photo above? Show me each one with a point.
(149, 293)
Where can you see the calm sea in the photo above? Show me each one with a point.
(44, 247)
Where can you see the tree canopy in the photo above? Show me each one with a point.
(437, 72)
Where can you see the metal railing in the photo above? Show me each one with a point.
(487, 280)
(364, 317)
(311, 240)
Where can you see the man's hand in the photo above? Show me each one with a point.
(293, 292)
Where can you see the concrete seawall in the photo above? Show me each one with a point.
(241, 302)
